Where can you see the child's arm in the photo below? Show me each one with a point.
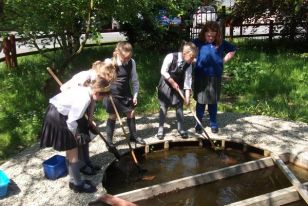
(187, 96)
(229, 56)
(187, 84)
(134, 82)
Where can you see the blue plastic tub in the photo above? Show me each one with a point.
(4, 181)
(55, 167)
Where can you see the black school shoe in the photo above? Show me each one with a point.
(160, 135)
(95, 167)
(138, 140)
(198, 129)
(214, 127)
(86, 170)
(183, 134)
(89, 170)
(85, 187)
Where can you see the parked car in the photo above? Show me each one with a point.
(204, 14)
(176, 21)
(165, 20)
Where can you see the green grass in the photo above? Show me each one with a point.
(268, 79)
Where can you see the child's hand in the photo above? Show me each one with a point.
(135, 102)
(175, 86)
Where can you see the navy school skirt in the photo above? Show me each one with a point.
(56, 134)
(123, 104)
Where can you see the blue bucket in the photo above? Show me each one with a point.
(55, 167)
(4, 181)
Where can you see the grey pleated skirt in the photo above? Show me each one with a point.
(207, 90)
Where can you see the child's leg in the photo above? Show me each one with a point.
(86, 154)
(110, 129)
(87, 167)
(162, 117)
(199, 112)
(180, 121)
(75, 182)
(73, 166)
(213, 114)
(179, 117)
(131, 123)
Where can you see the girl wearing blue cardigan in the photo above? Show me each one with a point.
(214, 52)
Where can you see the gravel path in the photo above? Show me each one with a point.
(30, 187)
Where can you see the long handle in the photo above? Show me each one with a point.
(125, 134)
(112, 149)
(195, 116)
(54, 76)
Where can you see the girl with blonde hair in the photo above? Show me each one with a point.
(100, 69)
(65, 127)
(124, 91)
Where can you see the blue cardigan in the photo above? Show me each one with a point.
(210, 59)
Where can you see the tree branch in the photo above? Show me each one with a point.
(83, 43)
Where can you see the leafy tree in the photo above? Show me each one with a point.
(293, 13)
(63, 21)
(139, 20)
(1, 8)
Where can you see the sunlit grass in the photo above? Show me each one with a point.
(270, 80)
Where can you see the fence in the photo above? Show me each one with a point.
(9, 49)
(10, 44)
(268, 30)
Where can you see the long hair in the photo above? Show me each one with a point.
(211, 26)
(100, 85)
(123, 48)
(105, 70)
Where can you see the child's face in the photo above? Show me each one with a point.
(188, 56)
(124, 57)
(210, 36)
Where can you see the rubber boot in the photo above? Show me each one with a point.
(131, 123)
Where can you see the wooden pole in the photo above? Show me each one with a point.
(7, 51)
(294, 181)
(271, 28)
(222, 22)
(13, 50)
